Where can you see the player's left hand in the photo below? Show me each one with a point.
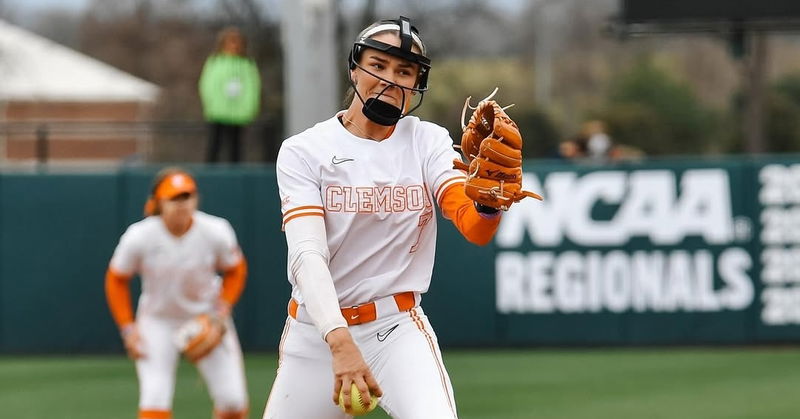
(349, 367)
(492, 145)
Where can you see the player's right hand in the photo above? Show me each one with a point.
(132, 341)
(349, 367)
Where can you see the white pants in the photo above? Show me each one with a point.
(406, 362)
(222, 369)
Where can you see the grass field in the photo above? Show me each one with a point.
(643, 383)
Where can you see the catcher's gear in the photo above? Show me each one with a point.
(375, 108)
(199, 336)
(492, 145)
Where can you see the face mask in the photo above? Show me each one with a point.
(376, 110)
(380, 112)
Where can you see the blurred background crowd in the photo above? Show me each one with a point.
(581, 89)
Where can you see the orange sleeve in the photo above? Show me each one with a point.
(118, 296)
(233, 280)
(476, 227)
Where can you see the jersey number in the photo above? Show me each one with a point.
(424, 219)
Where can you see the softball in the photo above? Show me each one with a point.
(357, 405)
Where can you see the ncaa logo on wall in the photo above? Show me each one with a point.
(618, 241)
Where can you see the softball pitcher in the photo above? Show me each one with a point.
(358, 193)
(178, 252)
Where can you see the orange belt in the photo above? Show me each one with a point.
(365, 312)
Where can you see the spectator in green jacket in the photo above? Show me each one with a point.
(230, 89)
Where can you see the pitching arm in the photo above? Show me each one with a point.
(308, 262)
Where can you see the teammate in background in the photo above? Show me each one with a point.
(230, 89)
(357, 194)
(178, 252)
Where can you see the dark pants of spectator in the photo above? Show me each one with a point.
(219, 133)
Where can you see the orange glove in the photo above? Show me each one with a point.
(492, 144)
(199, 336)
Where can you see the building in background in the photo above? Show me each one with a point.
(60, 106)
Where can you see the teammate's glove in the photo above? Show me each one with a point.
(199, 336)
(492, 145)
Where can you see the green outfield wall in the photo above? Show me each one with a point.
(661, 252)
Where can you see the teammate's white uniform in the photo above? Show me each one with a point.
(179, 281)
(377, 202)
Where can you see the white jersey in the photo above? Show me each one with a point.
(179, 274)
(376, 199)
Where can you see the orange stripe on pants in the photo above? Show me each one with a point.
(415, 317)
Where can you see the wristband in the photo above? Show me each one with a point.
(483, 209)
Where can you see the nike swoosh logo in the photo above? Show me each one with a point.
(354, 316)
(335, 160)
(382, 336)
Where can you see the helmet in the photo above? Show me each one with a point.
(409, 37)
(375, 109)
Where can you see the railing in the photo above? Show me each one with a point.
(157, 141)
